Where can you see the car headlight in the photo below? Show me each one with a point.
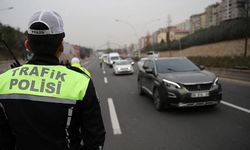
(171, 84)
(216, 81)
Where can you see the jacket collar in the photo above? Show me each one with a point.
(44, 60)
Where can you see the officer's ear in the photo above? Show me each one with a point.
(27, 45)
(59, 49)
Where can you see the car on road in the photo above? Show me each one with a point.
(123, 67)
(178, 82)
(112, 58)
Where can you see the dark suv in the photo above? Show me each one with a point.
(177, 81)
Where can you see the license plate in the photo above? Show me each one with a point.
(200, 94)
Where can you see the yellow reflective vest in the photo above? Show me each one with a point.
(44, 81)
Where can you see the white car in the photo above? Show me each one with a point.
(123, 67)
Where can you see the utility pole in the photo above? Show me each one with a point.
(247, 28)
(168, 23)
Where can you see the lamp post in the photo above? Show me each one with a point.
(8, 8)
(247, 28)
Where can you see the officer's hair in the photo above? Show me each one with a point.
(44, 44)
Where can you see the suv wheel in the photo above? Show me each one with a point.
(157, 100)
(140, 91)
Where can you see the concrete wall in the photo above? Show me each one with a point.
(228, 48)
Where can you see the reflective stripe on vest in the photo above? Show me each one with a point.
(56, 82)
(83, 69)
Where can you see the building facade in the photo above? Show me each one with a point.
(184, 25)
(212, 15)
(233, 9)
(198, 21)
(162, 36)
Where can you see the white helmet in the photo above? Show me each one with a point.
(75, 60)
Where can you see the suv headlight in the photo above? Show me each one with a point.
(171, 84)
(216, 81)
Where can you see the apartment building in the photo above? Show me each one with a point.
(213, 15)
(161, 36)
(185, 25)
(198, 21)
(233, 9)
(176, 34)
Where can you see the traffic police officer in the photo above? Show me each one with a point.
(75, 62)
(46, 106)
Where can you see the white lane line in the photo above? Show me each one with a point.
(236, 107)
(103, 70)
(114, 119)
(105, 80)
(85, 62)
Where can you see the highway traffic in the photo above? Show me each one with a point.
(132, 122)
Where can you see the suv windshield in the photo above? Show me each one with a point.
(175, 65)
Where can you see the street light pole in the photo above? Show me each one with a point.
(247, 20)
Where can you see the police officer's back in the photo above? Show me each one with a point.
(46, 106)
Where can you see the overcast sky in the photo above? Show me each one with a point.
(92, 23)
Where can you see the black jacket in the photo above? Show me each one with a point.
(32, 125)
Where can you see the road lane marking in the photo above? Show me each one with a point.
(86, 63)
(103, 70)
(105, 80)
(236, 107)
(114, 119)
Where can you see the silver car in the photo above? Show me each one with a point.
(123, 67)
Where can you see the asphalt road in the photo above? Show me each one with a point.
(132, 123)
